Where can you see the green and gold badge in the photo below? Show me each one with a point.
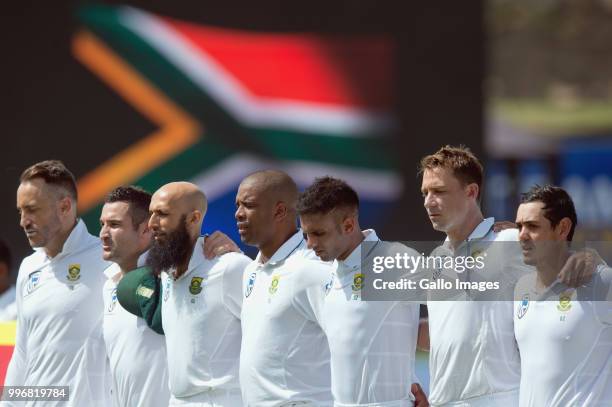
(565, 301)
(195, 287)
(274, 284)
(74, 272)
(478, 253)
(357, 282)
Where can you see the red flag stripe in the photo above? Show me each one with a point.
(302, 67)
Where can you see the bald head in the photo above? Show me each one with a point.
(184, 196)
(265, 209)
(274, 184)
(175, 201)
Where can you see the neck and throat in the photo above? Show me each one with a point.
(548, 269)
(268, 249)
(460, 233)
(183, 265)
(56, 246)
(353, 241)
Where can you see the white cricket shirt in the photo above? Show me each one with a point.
(137, 354)
(565, 343)
(472, 347)
(285, 355)
(372, 343)
(59, 338)
(201, 320)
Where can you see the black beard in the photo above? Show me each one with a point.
(172, 252)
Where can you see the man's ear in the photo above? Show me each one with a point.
(564, 227)
(472, 190)
(349, 222)
(280, 210)
(195, 217)
(65, 205)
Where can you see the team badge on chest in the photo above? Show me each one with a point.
(565, 301)
(565, 304)
(195, 287)
(357, 282)
(250, 284)
(357, 286)
(274, 285)
(74, 273)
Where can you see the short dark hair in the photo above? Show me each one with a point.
(557, 205)
(463, 163)
(138, 199)
(5, 255)
(53, 172)
(325, 194)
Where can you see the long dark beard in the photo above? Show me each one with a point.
(173, 252)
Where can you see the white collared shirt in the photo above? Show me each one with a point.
(565, 343)
(140, 379)
(285, 355)
(473, 350)
(201, 320)
(59, 338)
(372, 343)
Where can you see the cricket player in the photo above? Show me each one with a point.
(284, 359)
(137, 354)
(474, 359)
(59, 294)
(372, 343)
(201, 301)
(564, 334)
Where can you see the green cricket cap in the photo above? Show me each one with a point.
(138, 292)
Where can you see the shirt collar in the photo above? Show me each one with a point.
(112, 270)
(482, 229)
(479, 231)
(353, 261)
(285, 250)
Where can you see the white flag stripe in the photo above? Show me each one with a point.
(369, 184)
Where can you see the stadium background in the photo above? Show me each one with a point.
(150, 92)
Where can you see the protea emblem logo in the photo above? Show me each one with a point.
(274, 284)
(195, 287)
(74, 272)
